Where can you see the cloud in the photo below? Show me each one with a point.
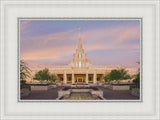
(23, 25)
(115, 37)
(59, 39)
(49, 53)
(54, 46)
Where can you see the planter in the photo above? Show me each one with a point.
(59, 84)
(100, 84)
(106, 85)
(120, 87)
(52, 86)
(39, 88)
(76, 86)
(80, 90)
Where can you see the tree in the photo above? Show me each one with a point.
(53, 77)
(124, 74)
(25, 72)
(137, 77)
(106, 77)
(121, 74)
(115, 75)
(43, 75)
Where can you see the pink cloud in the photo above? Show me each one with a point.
(113, 37)
(56, 45)
(57, 36)
(48, 53)
(59, 39)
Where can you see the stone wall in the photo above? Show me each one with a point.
(80, 90)
(62, 93)
(39, 88)
(68, 92)
(52, 86)
(106, 85)
(98, 93)
(116, 87)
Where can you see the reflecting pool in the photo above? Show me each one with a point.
(80, 96)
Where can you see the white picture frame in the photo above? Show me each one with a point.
(82, 19)
(147, 109)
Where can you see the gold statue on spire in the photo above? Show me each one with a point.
(79, 41)
(79, 32)
(79, 29)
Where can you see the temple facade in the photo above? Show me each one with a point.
(80, 69)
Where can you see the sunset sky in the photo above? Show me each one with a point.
(106, 42)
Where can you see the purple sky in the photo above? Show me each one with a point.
(106, 42)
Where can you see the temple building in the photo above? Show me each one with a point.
(80, 69)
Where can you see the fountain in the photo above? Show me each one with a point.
(80, 93)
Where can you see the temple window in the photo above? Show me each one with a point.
(76, 64)
(90, 78)
(69, 78)
(83, 63)
(79, 54)
(79, 63)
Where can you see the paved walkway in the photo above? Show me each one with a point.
(117, 94)
(52, 94)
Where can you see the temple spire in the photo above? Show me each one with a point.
(79, 41)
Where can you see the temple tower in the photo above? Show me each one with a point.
(80, 58)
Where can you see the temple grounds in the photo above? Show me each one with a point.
(108, 94)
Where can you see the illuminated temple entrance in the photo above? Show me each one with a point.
(80, 78)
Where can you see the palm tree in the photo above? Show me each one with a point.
(124, 74)
(24, 71)
(117, 75)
